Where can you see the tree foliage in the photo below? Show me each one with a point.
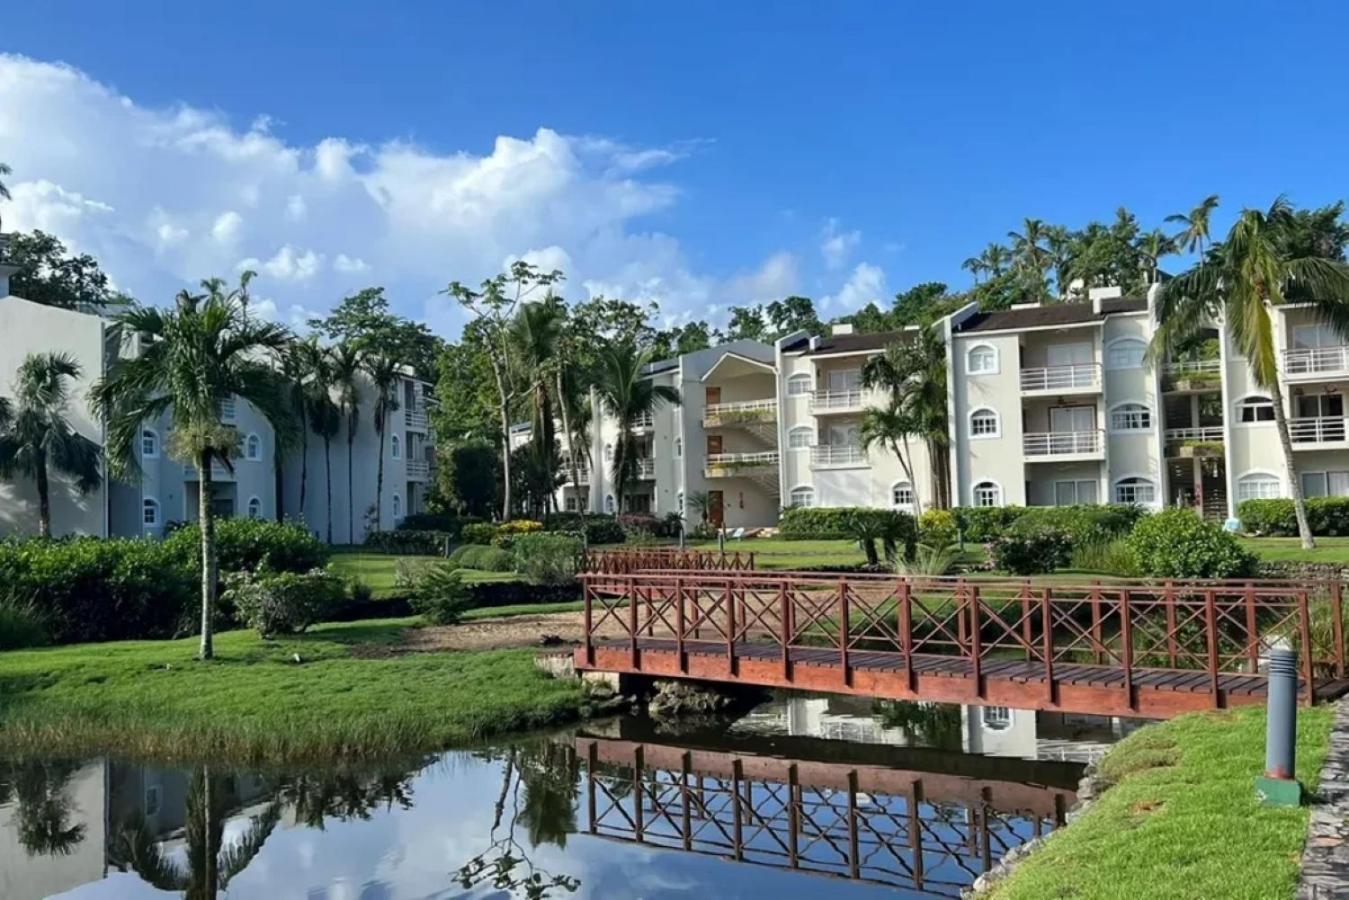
(49, 274)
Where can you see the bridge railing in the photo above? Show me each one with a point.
(641, 559)
(1137, 627)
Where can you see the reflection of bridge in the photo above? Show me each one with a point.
(930, 832)
(1156, 649)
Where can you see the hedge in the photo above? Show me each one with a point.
(419, 543)
(807, 523)
(1327, 516)
(483, 594)
(447, 522)
(252, 544)
(1088, 523)
(599, 529)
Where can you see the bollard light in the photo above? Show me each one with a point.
(1278, 786)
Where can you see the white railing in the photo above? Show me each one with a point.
(726, 465)
(837, 401)
(1203, 433)
(415, 417)
(1191, 366)
(1315, 361)
(1061, 443)
(763, 410)
(837, 455)
(218, 472)
(1061, 378)
(582, 473)
(646, 420)
(418, 470)
(646, 468)
(1318, 430)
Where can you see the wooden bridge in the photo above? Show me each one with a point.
(1154, 649)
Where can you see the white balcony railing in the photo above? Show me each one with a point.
(646, 420)
(218, 473)
(838, 401)
(582, 473)
(1202, 433)
(742, 411)
(646, 468)
(418, 470)
(1191, 367)
(1315, 361)
(415, 417)
(1318, 430)
(1061, 443)
(1079, 376)
(837, 455)
(727, 465)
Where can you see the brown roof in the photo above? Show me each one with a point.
(1050, 315)
(855, 343)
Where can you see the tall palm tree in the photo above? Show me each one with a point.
(384, 372)
(891, 426)
(975, 265)
(537, 332)
(914, 375)
(325, 418)
(1060, 243)
(195, 357)
(1028, 247)
(628, 395)
(1194, 235)
(1239, 281)
(346, 369)
(1152, 247)
(995, 258)
(35, 436)
(5, 171)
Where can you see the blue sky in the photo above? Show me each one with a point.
(741, 137)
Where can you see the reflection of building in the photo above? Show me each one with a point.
(31, 876)
(999, 731)
(834, 717)
(159, 797)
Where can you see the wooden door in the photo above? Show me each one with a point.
(713, 396)
(713, 444)
(716, 506)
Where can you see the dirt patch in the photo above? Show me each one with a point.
(496, 634)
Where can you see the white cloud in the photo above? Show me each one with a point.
(778, 277)
(288, 264)
(865, 285)
(296, 208)
(226, 227)
(350, 264)
(836, 246)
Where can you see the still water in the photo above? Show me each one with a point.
(802, 797)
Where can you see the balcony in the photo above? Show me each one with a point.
(730, 465)
(841, 401)
(415, 417)
(418, 470)
(1062, 379)
(1318, 431)
(1059, 445)
(1313, 363)
(644, 422)
(837, 456)
(1203, 433)
(1190, 376)
(746, 412)
(1188, 443)
(582, 474)
(218, 473)
(646, 468)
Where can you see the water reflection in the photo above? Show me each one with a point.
(615, 810)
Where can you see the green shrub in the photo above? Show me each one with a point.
(253, 544)
(405, 571)
(833, 522)
(440, 595)
(598, 529)
(981, 524)
(937, 528)
(1327, 516)
(929, 559)
(415, 543)
(284, 602)
(22, 624)
(359, 593)
(507, 532)
(548, 558)
(892, 529)
(478, 533)
(1177, 543)
(446, 522)
(486, 559)
(1086, 523)
(1031, 550)
(1107, 557)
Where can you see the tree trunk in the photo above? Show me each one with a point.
(1304, 528)
(206, 524)
(571, 454)
(351, 496)
(304, 459)
(505, 442)
(381, 427)
(328, 479)
(908, 473)
(44, 503)
(278, 486)
(620, 465)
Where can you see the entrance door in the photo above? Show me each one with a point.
(716, 506)
(713, 444)
(845, 380)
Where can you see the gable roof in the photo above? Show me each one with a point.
(1050, 315)
(853, 343)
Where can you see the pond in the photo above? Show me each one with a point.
(803, 795)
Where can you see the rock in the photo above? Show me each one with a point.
(549, 640)
(673, 699)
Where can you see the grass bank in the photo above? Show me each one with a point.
(1289, 549)
(256, 704)
(377, 570)
(1181, 820)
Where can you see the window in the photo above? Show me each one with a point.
(395, 447)
(1125, 353)
(802, 497)
(901, 495)
(800, 437)
(150, 511)
(982, 360)
(227, 410)
(1260, 486)
(996, 718)
(608, 451)
(149, 444)
(609, 504)
(572, 503)
(1325, 484)
(1309, 337)
(1130, 417)
(253, 447)
(1135, 490)
(1255, 409)
(254, 508)
(680, 499)
(397, 507)
(798, 385)
(679, 447)
(983, 423)
(986, 493)
(1074, 493)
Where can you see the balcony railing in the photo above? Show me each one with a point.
(418, 470)
(1318, 430)
(644, 421)
(1079, 376)
(716, 414)
(218, 473)
(838, 401)
(728, 465)
(646, 468)
(1202, 433)
(415, 417)
(1315, 361)
(837, 455)
(582, 473)
(1191, 366)
(1061, 443)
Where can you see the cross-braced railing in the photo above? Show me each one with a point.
(640, 559)
(1140, 629)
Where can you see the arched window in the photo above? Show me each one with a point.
(802, 496)
(1130, 417)
(984, 424)
(798, 385)
(1135, 490)
(679, 447)
(150, 511)
(609, 504)
(253, 447)
(800, 437)
(397, 507)
(982, 360)
(987, 493)
(254, 508)
(1258, 486)
(901, 495)
(1125, 353)
(149, 444)
(996, 718)
(395, 447)
(1255, 409)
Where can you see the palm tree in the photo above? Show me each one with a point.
(1195, 233)
(1061, 244)
(299, 360)
(1152, 246)
(628, 395)
(325, 418)
(35, 436)
(975, 265)
(1239, 281)
(892, 425)
(537, 332)
(5, 171)
(995, 258)
(914, 375)
(195, 357)
(1028, 247)
(345, 369)
(384, 374)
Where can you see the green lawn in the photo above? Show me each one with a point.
(377, 570)
(255, 703)
(1289, 549)
(775, 553)
(1182, 820)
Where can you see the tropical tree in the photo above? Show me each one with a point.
(975, 265)
(345, 369)
(1152, 246)
(537, 332)
(35, 436)
(628, 395)
(1240, 281)
(892, 426)
(1195, 233)
(195, 357)
(1028, 248)
(325, 419)
(301, 365)
(384, 372)
(913, 374)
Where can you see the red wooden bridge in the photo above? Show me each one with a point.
(1153, 649)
